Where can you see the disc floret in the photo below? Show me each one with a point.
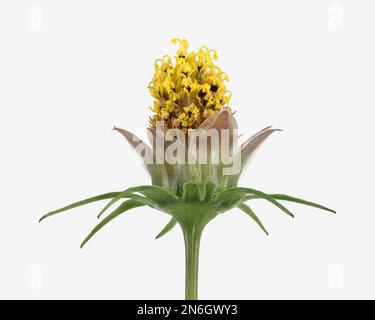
(188, 88)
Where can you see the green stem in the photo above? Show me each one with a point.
(192, 236)
(192, 218)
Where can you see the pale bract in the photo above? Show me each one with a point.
(209, 153)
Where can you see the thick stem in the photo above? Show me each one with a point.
(192, 236)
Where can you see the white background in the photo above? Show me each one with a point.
(69, 70)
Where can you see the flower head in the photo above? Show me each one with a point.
(190, 94)
(188, 88)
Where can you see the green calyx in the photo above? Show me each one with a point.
(199, 203)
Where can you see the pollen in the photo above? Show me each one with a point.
(187, 88)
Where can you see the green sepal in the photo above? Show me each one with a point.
(171, 224)
(146, 201)
(245, 208)
(125, 206)
(158, 195)
(104, 196)
(229, 198)
(284, 197)
(198, 191)
(210, 191)
(191, 192)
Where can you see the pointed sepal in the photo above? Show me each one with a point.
(125, 206)
(245, 208)
(171, 224)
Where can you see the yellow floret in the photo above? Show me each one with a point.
(187, 89)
